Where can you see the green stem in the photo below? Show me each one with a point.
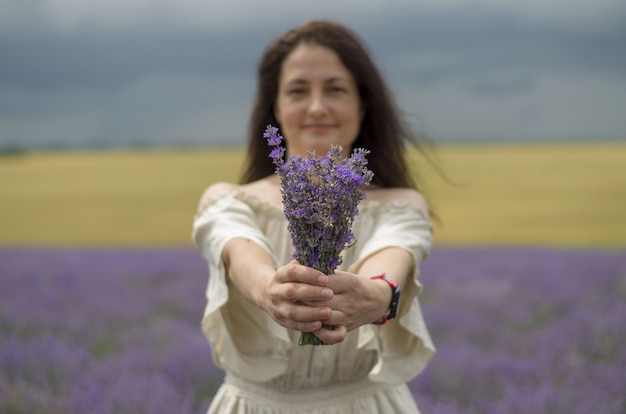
(308, 338)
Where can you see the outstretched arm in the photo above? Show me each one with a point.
(251, 269)
(359, 300)
(280, 292)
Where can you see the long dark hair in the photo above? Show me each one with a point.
(383, 131)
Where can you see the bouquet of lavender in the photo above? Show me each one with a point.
(320, 198)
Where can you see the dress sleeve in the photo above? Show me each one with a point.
(403, 344)
(243, 339)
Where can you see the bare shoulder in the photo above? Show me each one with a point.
(265, 189)
(216, 189)
(399, 196)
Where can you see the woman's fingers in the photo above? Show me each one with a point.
(297, 316)
(356, 300)
(295, 272)
(300, 283)
(331, 337)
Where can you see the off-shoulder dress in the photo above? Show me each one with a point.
(266, 371)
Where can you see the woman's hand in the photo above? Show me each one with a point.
(357, 301)
(298, 297)
(301, 298)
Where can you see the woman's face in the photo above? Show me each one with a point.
(318, 103)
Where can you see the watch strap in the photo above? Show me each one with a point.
(395, 298)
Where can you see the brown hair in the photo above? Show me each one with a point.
(382, 131)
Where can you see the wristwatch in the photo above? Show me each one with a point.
(395, 298)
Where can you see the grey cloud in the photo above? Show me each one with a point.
(168, 83)
(104, 62)
(504, 86)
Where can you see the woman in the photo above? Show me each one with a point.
(320, 87)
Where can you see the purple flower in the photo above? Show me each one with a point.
(518, 330)
(277, 153)
(272, 135)
(320, 198)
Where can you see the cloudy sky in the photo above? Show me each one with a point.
(176, 72)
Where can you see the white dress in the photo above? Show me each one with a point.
(266, 371)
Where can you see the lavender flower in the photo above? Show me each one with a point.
(320, 198)
(518, 330)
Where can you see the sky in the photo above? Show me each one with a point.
(182, 72)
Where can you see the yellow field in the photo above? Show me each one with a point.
(549, 195)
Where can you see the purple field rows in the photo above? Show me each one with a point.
(118, 331)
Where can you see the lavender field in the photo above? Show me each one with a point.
(118, 331)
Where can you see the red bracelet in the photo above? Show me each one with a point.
(395, 298)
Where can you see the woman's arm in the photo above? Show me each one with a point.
(280, 292)
(359, 300)
(251, 270)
